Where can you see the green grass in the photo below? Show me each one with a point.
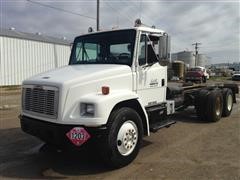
(10, 88)
(220, 78)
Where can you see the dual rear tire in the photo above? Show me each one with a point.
(227, 102)
(212, 105)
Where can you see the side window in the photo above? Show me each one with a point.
(152, 55)
(142, 50)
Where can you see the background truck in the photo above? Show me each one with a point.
(197, 74)
(113, 92)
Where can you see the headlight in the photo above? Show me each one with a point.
(87, 109)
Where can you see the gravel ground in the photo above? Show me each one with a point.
(190, 149)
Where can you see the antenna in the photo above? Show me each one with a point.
(140, 15)
(138, 22)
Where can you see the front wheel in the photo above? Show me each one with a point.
(124, 137)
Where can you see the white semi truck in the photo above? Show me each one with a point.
(113, 92)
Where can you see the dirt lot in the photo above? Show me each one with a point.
(190, 149)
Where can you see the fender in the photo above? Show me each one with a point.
(103, 107)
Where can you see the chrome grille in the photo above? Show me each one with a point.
(40, 100)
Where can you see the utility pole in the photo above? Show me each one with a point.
(196, 51)
(97, 15)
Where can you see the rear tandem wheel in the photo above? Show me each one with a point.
(209, 105)
(227, 102)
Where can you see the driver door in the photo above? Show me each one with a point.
(151, 76)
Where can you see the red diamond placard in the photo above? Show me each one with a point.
(78, 136)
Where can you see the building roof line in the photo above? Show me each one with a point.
(33, 37)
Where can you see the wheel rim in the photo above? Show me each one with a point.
(229, 102)
(218, 106)
(127, 138)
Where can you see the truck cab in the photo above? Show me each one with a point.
(111, 74)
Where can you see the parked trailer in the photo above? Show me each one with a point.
(113, 93)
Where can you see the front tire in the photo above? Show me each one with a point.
(124, 137)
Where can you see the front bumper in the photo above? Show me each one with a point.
(55, 134)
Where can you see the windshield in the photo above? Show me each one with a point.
(195, 69)
(114, 47)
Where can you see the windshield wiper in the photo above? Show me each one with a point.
(85, 52)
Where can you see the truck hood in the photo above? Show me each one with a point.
(77, 73)
(77, 82)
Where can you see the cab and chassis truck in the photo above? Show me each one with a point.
(113, 93)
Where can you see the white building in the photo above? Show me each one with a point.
(25, 54)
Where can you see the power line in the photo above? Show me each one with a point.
(139, 6)
(118, 12)
(133, 10)
(60, 9)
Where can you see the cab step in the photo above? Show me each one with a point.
(158, 125)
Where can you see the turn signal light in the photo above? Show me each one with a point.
(105, 90)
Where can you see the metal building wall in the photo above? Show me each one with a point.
(21, 59)
(63, 54)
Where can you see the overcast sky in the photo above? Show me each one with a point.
(216, 24)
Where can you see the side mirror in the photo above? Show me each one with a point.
(164, 50)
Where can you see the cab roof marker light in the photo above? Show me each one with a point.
(138, 23)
